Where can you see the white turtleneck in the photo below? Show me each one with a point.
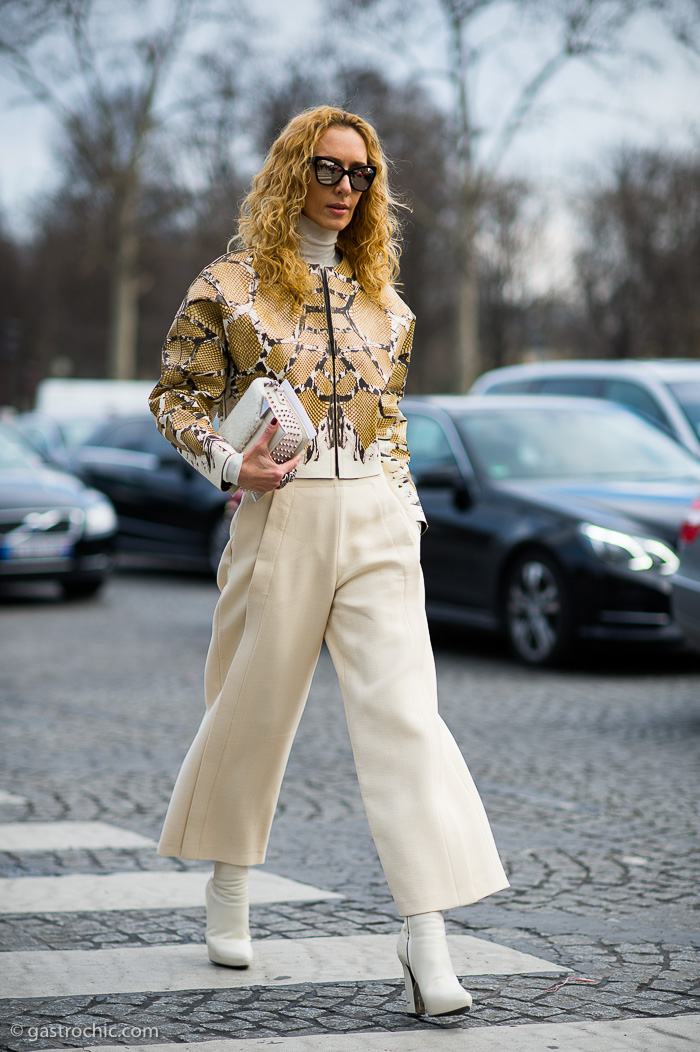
(316, 244)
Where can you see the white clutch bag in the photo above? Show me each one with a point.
(264, 400)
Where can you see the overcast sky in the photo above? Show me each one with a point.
(586, 116)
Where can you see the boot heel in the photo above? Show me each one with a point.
(414, 999)
(422, 950)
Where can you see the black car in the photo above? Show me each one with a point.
(52, 527)
(551, 520)
(165, 507)
(685, 584)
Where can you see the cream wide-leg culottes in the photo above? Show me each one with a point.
(335, 559)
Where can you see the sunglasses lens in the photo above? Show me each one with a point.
(327, 172)
(361, 178)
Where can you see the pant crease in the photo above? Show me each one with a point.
(437, 781)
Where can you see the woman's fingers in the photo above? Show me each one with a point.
(258, 470)
(290, 465)
(264, 442)
(269, 431)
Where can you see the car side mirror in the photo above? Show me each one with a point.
(449, 477)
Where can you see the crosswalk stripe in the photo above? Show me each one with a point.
(663, 1034)
(139, 891)
(66, 836)
(278, 962)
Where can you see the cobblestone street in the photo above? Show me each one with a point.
(589, 777)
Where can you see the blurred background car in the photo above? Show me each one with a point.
(67, 411)
(166, 509)
(51, 438)
(665, 391)
(551, 527)
(52, 526)
(685, 583)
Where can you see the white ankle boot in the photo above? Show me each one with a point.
(228, 935)
(431, 984)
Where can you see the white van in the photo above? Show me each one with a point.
(100, 399)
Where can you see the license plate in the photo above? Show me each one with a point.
(33, 547)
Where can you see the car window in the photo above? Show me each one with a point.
(634, 397)
(128, 434)
(511, 387)
(581, 386)
(428, 443)
(77, 431)
(16, 452)
(44, 444)
(688, 397)
(156, 443)
(610, 443)
(139, 436)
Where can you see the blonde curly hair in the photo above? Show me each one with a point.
(271, 211)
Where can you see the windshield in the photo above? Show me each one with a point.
(688, 397)
(77, 431)
(15, 452)
(557, 443)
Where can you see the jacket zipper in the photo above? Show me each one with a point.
(331, 339)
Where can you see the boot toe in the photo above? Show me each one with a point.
(455, 1001)
(233, 953)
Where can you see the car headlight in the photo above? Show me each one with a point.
(630, 553)
(100, 517)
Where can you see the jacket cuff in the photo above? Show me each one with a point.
(232, 469)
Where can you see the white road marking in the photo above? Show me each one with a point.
(282, 962)
(278, 962)
(65, 836)
(139, 891)
(669, 1034)
(10, 799)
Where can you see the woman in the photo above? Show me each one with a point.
(334, 554)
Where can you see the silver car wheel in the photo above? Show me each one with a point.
(534, 611)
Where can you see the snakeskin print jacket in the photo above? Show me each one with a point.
(345, 355)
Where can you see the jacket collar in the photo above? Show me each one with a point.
(342, 269)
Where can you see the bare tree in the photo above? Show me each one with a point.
(12, 336)
(507, 232)
(639, 269)
(593, 32)
(108, 79)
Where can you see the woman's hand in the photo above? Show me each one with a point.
(258, 470)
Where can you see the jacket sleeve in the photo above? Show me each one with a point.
(195, 364)
(391, 428)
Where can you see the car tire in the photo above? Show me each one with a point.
(537, 610)
(82, 587)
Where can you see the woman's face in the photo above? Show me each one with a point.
(332, 207)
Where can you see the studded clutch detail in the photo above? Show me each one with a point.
(264, 400)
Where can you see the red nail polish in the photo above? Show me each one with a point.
(274, 420)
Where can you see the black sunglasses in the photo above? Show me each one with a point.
(329, 172)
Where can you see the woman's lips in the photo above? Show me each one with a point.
(340, 209)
